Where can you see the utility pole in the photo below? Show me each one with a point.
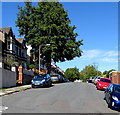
(96, 66)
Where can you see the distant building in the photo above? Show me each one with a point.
(56, 69)
(115, 77)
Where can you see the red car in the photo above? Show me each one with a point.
(103, 83)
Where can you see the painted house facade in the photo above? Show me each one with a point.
(13, 48)
(13, 52)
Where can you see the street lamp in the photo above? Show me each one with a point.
(39, 52)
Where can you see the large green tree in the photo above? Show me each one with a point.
(89, 71)
(72, 74)
(48, 23)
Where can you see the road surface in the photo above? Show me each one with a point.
(61, 98)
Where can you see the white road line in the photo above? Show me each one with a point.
(3, 108)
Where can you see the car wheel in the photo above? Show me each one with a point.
(50, 84)
(33, 86)
(109, 103)
(97, 88)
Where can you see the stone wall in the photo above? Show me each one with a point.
(8, 78)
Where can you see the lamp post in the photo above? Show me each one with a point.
(39, 52)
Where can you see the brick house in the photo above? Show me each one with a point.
(115, 77)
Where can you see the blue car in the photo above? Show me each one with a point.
(112, 95)
(41, 80)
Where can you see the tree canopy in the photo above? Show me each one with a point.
(48, 23)
(89, 71)
(72, 74)
(106, 73)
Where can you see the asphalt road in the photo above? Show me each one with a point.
(60, 98)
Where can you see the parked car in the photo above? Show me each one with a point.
(112, 95)
(55, 78)
(96, 80)
(66, 80)
(62, 79)
(103, 83)
(93, 79)
(89, 80)
(41, 80)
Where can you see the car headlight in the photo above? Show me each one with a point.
(32, 81)
(43, 81)
(115, 98)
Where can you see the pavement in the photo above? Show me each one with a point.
(7, 91)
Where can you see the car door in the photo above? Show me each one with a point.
(48, 79)
(107, 92)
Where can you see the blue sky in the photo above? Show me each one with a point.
(97, 25)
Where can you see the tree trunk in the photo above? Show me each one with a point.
(49, 66)
(49, 63)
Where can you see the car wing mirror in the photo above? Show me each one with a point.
(110, 91)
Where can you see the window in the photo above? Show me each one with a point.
(19, 51)
(8, 45)
(24, 53)
(16, 50)
(110, 88)
(117, 89)
(13, 46)
(105, 80)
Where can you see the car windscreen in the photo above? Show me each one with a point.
(117, 89)
(105, 80)
(54, 76)
(39, 77)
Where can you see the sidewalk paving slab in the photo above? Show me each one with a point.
(14, 89)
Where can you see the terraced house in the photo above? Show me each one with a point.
(13, 53)
(13, 48)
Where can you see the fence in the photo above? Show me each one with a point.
(24, 76)
(7, 77)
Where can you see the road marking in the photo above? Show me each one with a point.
(3, 108)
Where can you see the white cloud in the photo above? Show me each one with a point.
(89, 54)
(107, 59)
(111, 53)
(100, 55)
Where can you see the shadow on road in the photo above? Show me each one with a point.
(115, 109)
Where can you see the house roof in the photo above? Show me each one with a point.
(20, 40)
(5, 29)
